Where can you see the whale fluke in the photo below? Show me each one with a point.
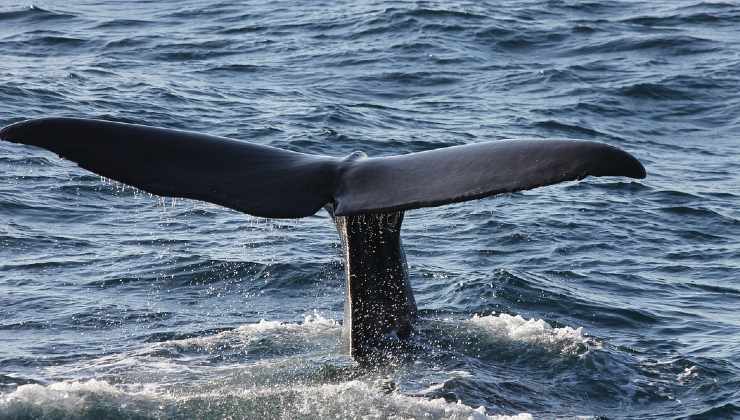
(270, 182)
(366, 197)
(259, 180)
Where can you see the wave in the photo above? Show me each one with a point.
(236, 68)
(677, 20)
(91, 399)
(655, 91)
(444, 14)
(534, 332)
(283, 382)
(34, 13)
(196, 272)
(569, 129)
(124, 24)
(94, 399)
(251, 338)
(413, 78)
(676, 45)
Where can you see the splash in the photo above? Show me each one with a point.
(247, 346)
(154, 383)
(314, 328)
(349, 400)
(537, 332)
(76, 400)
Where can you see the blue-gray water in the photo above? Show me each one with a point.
(607, 297)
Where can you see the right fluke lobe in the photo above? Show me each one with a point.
(468, 172)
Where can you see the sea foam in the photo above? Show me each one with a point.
(350, 400)
(537, 332)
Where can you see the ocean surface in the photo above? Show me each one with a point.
(606, 298)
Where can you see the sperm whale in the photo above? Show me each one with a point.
(365, 196)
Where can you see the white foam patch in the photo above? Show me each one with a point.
(313, 327)
(356, 399)
(71, 399)
(282, 385)
(532, 331)
(272, 342)
(352, 399)
(688, 374)
(313, 324)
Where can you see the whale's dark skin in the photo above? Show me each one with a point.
(366, 197)
(379, 308)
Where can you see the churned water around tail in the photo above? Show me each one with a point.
(600, 298)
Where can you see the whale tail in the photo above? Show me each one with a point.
(270, 182)
(365, 196)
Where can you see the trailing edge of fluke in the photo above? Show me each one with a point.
(270, 182)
